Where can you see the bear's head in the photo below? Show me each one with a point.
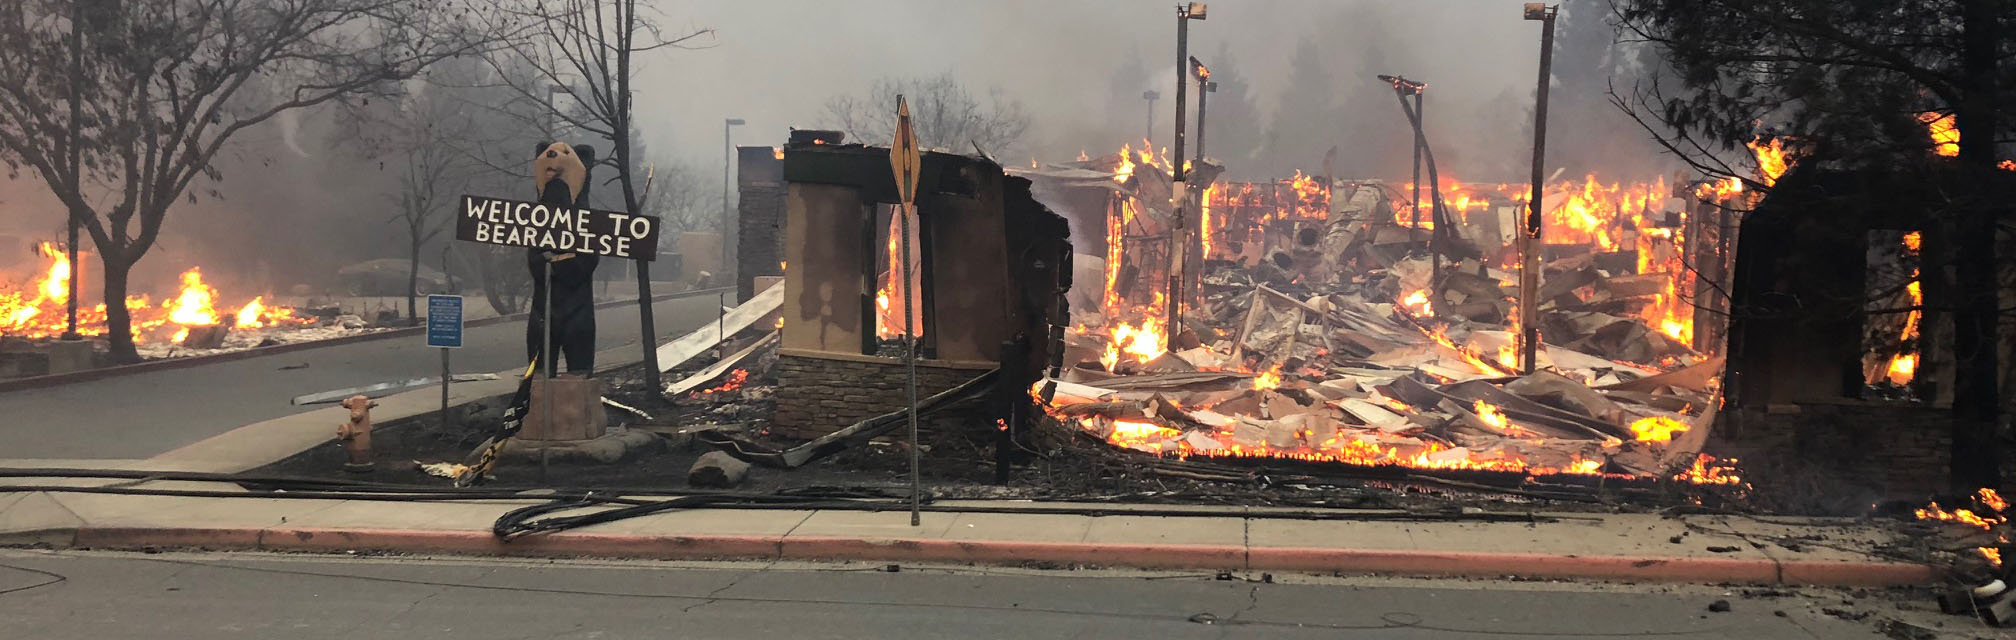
(567, 164)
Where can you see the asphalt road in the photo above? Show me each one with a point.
(146, 414)
(106, 596)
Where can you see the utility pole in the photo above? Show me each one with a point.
(1402, 87)
(1151, 96)
(727, 168)
(1529, 236)
(1178, 195)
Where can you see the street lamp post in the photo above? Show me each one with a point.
(1151, 96)
(1529, 236)
(727, 166)
(1177, 229)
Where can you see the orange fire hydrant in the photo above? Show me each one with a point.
(356, 434)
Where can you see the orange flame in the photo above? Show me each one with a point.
(1945, 133)
(1771, 159)
(1657, 429)
(1269, 379)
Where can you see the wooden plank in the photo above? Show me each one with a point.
(715, 370)
(677, 352)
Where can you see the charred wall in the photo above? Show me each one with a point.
(994, 265)
(759, 238)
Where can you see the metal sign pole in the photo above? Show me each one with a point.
(445, 423)
(910, 369)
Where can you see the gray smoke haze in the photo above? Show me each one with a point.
(776, 63)
(295, 204)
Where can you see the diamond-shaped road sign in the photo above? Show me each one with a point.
(904, 158)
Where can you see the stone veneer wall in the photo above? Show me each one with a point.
(1862, 452)
(817, 396)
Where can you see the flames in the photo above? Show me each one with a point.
(1772, 160)
(1657, 429)
(1417, 303)
(1709, 470)
(1903, 366)
(1944, 131)
(889, 302)
(38, 310)
(1151, 437)
(1269, 379)
(1960, 516)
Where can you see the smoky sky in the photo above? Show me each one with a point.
(775, 64)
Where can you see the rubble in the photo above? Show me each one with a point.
(1319, 334)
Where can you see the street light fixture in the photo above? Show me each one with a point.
(727, 166)
(1151, 96)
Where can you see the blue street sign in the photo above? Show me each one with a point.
(444, 321)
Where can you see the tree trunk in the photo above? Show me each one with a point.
(1976, 402)
(413, 279)
(118, 320)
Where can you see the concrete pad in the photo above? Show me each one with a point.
(1034, 528)
(1166, 530)
(35, 518)
(107, 510)
(873, 524)
(416, 516)
(707, 522)
(261, 443)
(1262, 532)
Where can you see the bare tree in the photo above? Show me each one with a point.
(945, 113)
(157, 88)
(585, 50)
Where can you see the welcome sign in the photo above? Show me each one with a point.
(516, 223)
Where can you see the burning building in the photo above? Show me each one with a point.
(991, 266)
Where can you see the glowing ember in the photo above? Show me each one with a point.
(1989, 498)
(1960, 516)
(1993, 555)
(732, 382)
(1657, 429)
(1710, 471)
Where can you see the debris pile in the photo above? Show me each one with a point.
(1325, 331)
(1972, 539)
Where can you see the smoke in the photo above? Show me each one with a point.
(1080, 69)
(295, 204)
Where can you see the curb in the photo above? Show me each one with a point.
(165, 364)
(999, 552)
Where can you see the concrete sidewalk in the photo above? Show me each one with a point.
(1609, 547)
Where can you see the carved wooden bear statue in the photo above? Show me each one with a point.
(560, 173)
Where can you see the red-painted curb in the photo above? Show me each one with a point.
(87, 375)
(999, 552)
